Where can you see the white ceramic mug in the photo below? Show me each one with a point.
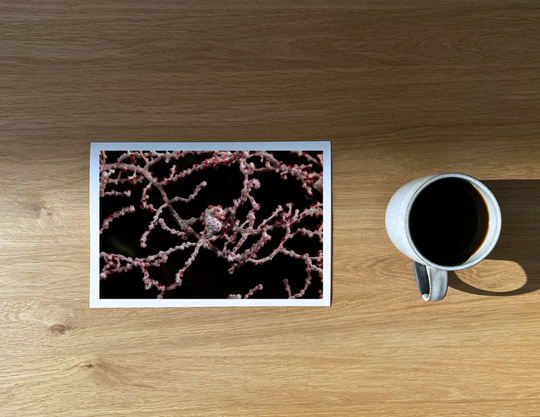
(432, 277)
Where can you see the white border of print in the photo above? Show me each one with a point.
(96, 302)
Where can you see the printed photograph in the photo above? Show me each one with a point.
(212, 224)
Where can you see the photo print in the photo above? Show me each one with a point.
(210, 224)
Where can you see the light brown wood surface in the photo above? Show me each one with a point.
(401, 88)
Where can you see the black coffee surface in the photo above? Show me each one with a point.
(448, 221)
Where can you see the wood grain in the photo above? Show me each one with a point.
(401, 88)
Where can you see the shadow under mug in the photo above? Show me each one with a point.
(431, 276)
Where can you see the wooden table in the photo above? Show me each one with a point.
(401, 88)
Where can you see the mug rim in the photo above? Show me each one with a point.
(486, 247)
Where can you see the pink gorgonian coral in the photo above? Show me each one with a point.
(211, 224)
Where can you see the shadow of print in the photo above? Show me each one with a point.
(519, 241)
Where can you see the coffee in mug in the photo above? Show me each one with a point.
(448, 221)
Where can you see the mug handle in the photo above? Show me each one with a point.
(432, 282)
